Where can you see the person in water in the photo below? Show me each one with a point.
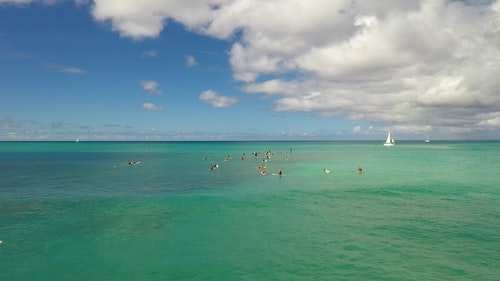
(360, 170)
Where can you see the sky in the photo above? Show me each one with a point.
(181, 70)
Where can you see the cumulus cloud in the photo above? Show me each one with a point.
(151, 106)
(432, 64)
(151, 86)
(146, 19)
(190, 61)
(217, 100)
(359, 130)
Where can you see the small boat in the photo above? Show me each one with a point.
(427, 139)
(389, 141)
(77, 140)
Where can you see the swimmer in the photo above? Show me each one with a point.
(280, 172)
(326, 171)
(263, 172)
(360, 170)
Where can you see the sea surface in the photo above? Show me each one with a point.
(418, 211)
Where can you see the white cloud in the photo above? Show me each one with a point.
(146, 18)
(357, 129)
(191, 61)
(66, 69)
(151, 106)
(150, 54)
(217, 100)
(151, 86)
(434, 63)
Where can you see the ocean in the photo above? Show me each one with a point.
(418, 211)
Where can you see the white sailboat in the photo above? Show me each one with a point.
(389, 141)
(427, 139)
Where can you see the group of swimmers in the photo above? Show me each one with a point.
(266, 157)
(262, 167)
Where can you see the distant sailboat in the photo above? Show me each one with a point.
(77, 140)
(427, 139)
(389, 141)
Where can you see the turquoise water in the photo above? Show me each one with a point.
(419, 211)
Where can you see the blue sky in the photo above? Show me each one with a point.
(249, 70)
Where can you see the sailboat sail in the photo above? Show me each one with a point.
(389, 141)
